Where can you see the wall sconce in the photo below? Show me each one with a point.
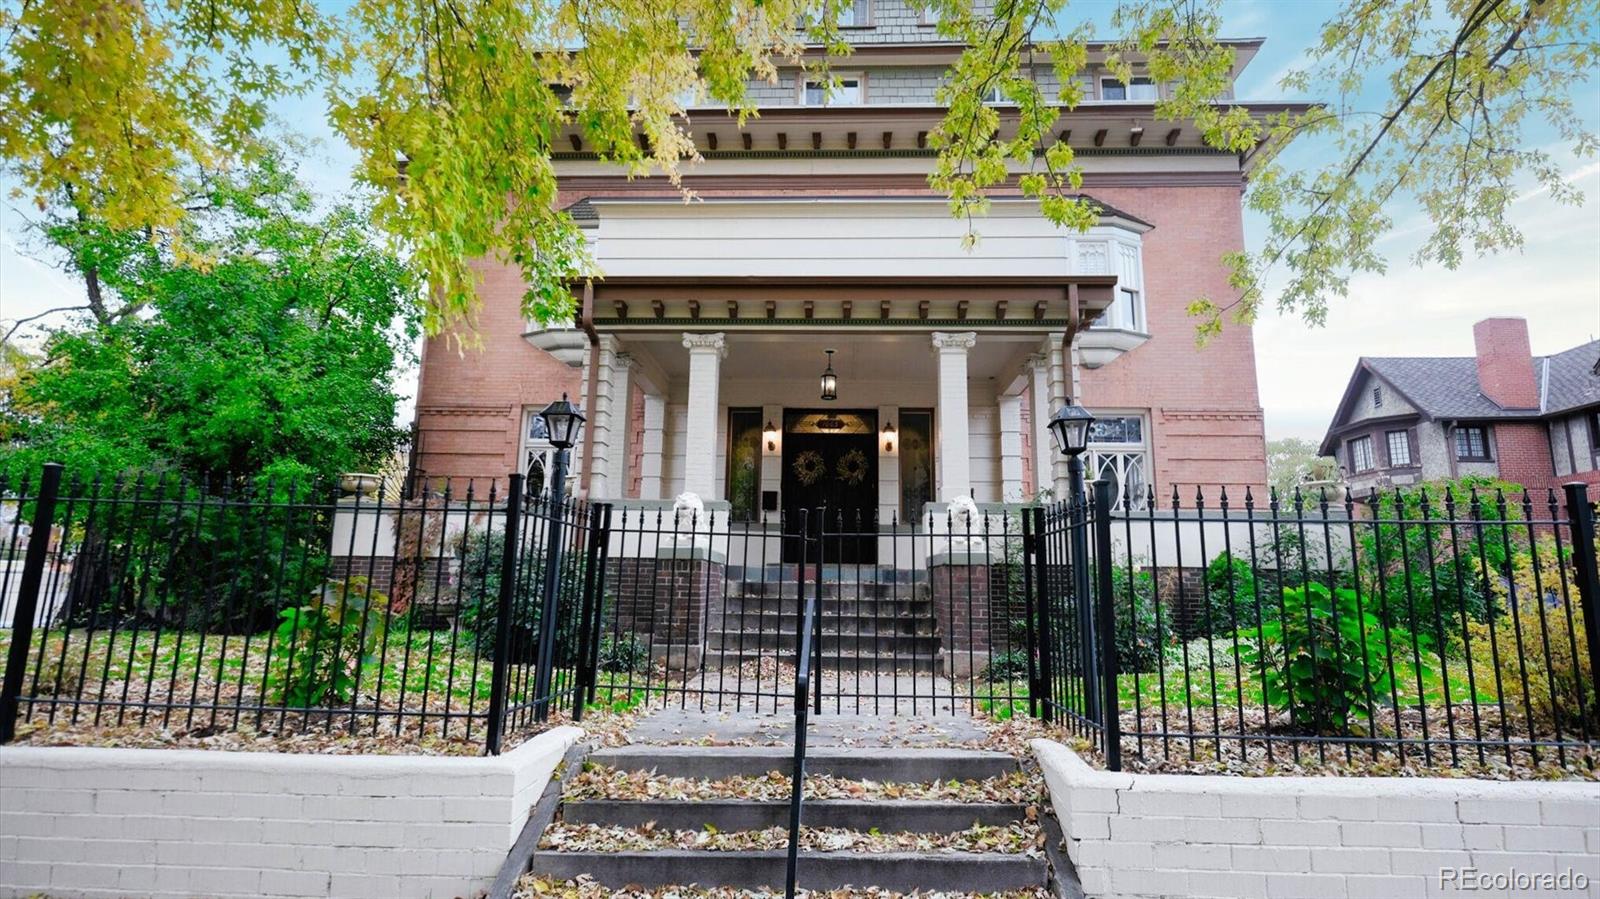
(888, 437)
(770, 435)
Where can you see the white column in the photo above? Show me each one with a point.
(1060, 363)
(650, 450)
(621, 425)
(955, 458)
(607, 419)
(1044, 446)
(700, 446)
(1010, 448)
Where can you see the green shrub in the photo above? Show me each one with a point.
(1134, 604)
(1326, 660)
(1231, 597)
(320, 648)
(1006, 666)
(624, 654)
(481, 554)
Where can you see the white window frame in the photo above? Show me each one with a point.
(1122, 256)
(1123, 457)
(864, 8)
(1405, 446)
(1137, 81)
(536, 455)
(859, 78)
(1357, 456)
(930, 16)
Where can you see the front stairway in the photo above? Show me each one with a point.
(871, 622)
(895, 819)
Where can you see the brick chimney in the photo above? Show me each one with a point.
(1505, 363)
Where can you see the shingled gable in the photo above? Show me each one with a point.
(1446, 388)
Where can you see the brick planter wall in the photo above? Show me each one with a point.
(93, 822)
(974, 605)
(667, 602)
(1133, 836)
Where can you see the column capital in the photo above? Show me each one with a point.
(624, 360)
(955, 340)
(1035, 361)
(715, 342)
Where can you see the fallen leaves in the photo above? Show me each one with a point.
(535, 887)
(598, 782)
(1013, 839)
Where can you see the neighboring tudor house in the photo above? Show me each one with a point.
(1505, 413)
(697, 358)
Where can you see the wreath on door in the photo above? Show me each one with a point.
(852, 467)
(809, 467)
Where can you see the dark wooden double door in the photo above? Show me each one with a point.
(830, 485)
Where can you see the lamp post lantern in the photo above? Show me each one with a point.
(562, 421)
(830, 381)
(1070, 428)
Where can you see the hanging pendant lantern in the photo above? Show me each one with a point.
(830, 381)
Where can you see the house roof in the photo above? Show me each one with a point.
(1446, 388)
(585, 213)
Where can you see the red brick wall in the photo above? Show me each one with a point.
(470, 399)
(1505, 362)
(1523, 455)
(1205, 410)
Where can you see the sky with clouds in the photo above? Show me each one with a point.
(1554, 282)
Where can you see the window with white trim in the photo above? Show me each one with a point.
(1122, 257)
(847, 91)
(538, 456)
(856, 15)
(1135, 89)
(1361, 454)
(1118, 453)
(1399, 448)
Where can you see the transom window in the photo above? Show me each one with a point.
(846, 92)
(1361, 454)
(1117, 453)
(1136, 89)
(1399, 448)
(538, 456)
(1472, 443)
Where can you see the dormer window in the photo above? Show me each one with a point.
(1136, 89)
(857, 15)
(847, 91)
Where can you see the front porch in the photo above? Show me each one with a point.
(935, 400)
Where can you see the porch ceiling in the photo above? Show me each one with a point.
(860, 357)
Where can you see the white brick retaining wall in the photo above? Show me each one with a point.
(170, 823)
(1146, 835)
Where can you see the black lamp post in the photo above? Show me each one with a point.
(562, 422)
(1070, 428)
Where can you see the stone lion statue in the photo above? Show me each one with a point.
(964, 516)
(688, 511)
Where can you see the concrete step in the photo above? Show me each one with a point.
(897, 765)
(899, 871)
(751, 606)
(910, 625)
(862, 589)
(894, 645)
(832, 660)
(728, 815)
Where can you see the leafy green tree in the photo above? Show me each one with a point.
(267, 344)
(455, 107)
(1293, 461)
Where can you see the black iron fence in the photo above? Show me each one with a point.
(1430, 628)
(1402, 627)
(292, 607)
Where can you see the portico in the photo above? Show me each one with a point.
(944, 400)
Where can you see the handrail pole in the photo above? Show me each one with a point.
(802, 706)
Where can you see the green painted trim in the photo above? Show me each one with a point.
(1051, 323)
(867, 153)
